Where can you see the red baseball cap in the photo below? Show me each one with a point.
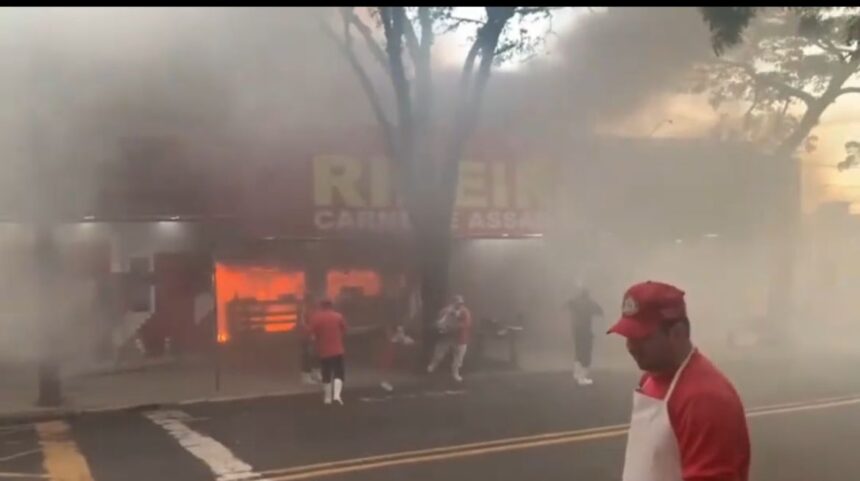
(648, 305)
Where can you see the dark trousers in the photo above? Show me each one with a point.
(333, 368)
(583, 341)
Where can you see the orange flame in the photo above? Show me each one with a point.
(261, 283)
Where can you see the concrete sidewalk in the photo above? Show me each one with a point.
(161, 383)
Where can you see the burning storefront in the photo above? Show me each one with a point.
(241, 237)
(206, 245)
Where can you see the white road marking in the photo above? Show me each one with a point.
(19, 455)
(16, 429)
(220, 460)
(24, 476)
(390, 397)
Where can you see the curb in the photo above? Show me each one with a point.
(37, 415)
(52, 414)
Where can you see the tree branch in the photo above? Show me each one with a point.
(366, 83)
(849, 90)
(828, 46)
(786, 89)
(393, 25)
(469, 20)
(423, 68)
(427, 36)
(366, 33)
(505, 49)
(469, 67)
(531, 10)
(469, 106)
(408, 33)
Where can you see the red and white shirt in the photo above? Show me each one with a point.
(708, 419)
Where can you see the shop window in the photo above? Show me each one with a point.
(256, 297)
(368, 282)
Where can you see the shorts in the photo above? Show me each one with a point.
(332, 368)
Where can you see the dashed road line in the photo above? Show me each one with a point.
(62, 459)
(220, 460)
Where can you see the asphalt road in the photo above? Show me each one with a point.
(500, 427)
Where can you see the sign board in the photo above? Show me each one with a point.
(354, 195)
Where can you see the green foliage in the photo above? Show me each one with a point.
(727, 25)
(786, 60)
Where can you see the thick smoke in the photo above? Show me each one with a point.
(80, 82)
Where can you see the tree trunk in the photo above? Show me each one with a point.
(434, 255)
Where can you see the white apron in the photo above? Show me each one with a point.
(652, 449)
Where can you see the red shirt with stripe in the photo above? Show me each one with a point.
(708, 419)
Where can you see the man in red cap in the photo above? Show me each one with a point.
(688, 422)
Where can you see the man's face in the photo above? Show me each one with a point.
(652, 353)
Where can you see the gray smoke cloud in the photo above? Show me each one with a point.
(78, 83)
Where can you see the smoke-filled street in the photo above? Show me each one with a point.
(499, 427)
(429, 243)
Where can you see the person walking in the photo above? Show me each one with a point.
(583, 310)
(455, 329)
(328, 328)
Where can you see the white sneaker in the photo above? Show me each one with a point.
(338, 387)
(458, 377)
(584, 381)
(386, 386)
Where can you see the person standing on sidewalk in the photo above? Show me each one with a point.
(582, 310)
(328, 328)
(688, 422)
(455, 329)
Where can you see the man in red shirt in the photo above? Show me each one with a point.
(328, 328)
(688, 422)
(455, 329)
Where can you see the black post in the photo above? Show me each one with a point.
(47, 264)
(216, 341)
